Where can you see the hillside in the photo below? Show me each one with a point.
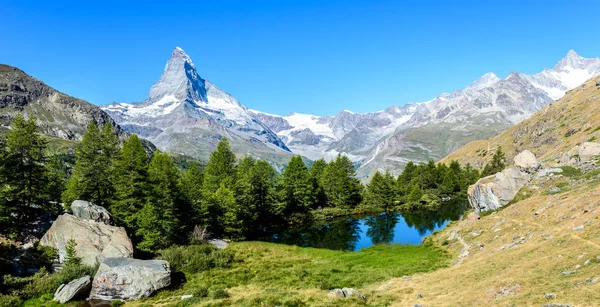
(59, 115)
(555, 129)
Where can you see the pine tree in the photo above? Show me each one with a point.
(297, 191)
(91, 179)
(380, 191)
(25, 177)
(130, 181)
(317, 170)
(228, 222)
(191, 189)
(220, 167)
(497, 164)
(257, 205)
(341, 187)
(157, 221)
(71, 258)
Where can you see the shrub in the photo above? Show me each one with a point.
(200, 292)
(569, 171)
(117, 303)
(9, 300)
(220, 293)
(196, 258)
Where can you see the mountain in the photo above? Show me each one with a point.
(59, 115)
(549, 133)
(430, 130)
(189, 115)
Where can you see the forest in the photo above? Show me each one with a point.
(161, 204)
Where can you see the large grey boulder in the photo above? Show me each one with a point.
(78, 288)
(129, 279)
(95, 241)
(525, 161)
(88, 211)
(495, 191)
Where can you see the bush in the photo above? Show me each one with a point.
(9, 300)
(220, 293)
(569, 171)
(200, 292)
(196, 258)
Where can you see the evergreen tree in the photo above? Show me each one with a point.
(317, 170)
(191, 189)
(228, 223)
(157, 222)
(497, 164)
(91, 179)
(220, 167)
(257, 206)
(297, 190)
(380, 191)
(130, 181)
(71, 258)
(341, 187)
(25, 177)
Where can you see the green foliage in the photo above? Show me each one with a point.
(130, 178)
(342, 188)
(497, 164)
(157, 222)
(569, 171)
(91, 179)
(297, 193)
(220, 293)
(381, 190)
(117, 303)
(196, 258)
(24, 177)
(71, 257)
(220, 167)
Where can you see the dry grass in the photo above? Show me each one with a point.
(518, 257)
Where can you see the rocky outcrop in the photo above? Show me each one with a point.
(95, 241)
(493, 192)
(583, 156)
(88, 211)
(78, 288)
(526, 162)
(129, 279)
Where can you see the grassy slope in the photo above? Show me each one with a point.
(269, 274)
(545, 245)
(544, 133)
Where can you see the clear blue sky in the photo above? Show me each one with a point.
(307, 56)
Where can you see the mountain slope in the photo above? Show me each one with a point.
(58, 115)
(430, 130)
(553, 130)
(187, 114)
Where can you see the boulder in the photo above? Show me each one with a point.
(95, 241)
(525, 161)
(582, 155)
(346, 293)
(88, 211)
(78, 288)
(218, 243)
(495, 191)
(129, 279)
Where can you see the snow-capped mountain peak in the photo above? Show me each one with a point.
(179, 79)
(187, 114)
(483, 81)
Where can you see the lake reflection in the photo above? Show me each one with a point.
(354, 233)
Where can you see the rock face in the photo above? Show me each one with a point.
(95, 241)
(525, 161)
(493, 192)
(76, 288)
(88, 211)
(129, 279)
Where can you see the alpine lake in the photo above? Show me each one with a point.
(353, 233)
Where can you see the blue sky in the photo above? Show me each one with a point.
(308, 56)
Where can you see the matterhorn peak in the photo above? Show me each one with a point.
(179, 79)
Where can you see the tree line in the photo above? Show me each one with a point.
(160, 204)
